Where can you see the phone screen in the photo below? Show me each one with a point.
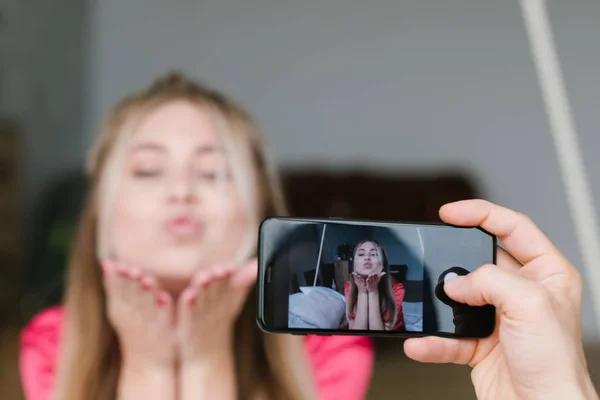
(328, 276)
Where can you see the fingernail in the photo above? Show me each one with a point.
(453, 282)
(121, 270)
(161, 299)
(449, 276)
(205, 280)
(144, 284)
(193, 296)
(135, 272)
(106, 267)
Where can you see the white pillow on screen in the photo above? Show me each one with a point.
(322, 307)
(324, 290)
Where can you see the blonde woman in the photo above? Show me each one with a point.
(373, 297)
(160, 300)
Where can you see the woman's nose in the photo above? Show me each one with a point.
(183, 190)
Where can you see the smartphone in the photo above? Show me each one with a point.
(332, 276)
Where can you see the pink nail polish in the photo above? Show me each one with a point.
(193, 296)
(203, 281)
(106, 267)
(134, 272)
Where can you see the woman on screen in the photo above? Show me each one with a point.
(373, 297)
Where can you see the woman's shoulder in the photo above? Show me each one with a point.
(38, 353)
(316, 343)
(398, 289)
(339, 350)
(396, 284)
(46, 324)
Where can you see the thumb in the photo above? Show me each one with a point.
(490, 284)
(382, 274)
(434, 349)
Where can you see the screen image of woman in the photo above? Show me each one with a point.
(373, 297)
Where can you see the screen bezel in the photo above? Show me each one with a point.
(263, 286)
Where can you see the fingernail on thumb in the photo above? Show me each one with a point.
(453, 283)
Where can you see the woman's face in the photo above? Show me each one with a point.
(367, 259)
(171, 211)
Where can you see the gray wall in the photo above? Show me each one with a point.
(392, 85)
(42, 75)
(576, 30)
(402, 246)
(278, 230)
(337, 235)
(299, 241)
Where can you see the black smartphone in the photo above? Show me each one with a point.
(332, 276)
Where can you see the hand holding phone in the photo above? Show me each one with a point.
(536, 349)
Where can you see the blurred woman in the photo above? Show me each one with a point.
(160, 299)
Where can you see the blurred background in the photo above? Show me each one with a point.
(432, 100)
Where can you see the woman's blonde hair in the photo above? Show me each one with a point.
(267, 366)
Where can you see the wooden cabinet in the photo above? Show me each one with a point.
(11, 219)
(401, 197)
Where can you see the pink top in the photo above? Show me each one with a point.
(342, 364)
(398, 293)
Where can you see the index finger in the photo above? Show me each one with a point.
(521, 236)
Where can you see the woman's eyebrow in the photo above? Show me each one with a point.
(148, 146)
(208, 148)
(145, 146)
